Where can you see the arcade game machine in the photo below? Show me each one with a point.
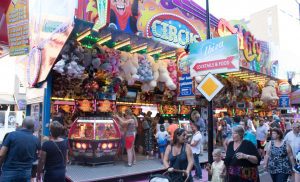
(94, 139)
(184, 119)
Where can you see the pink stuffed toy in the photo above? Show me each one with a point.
(172, 68)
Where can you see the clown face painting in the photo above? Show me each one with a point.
(123, 15)
(120, 6)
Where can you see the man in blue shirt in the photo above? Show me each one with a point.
(249, 135)
(18, 152)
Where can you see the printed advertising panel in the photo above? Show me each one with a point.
(186, 86)
(174, 23)
(295, 97)
(284, 101)
(255, 55)
(165, 22)
(218, 55)
(50, 26)
(17, 27)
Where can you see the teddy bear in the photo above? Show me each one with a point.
(164, 74)
(129, 67)
(172, 68)
(269, 94)
(144, 70)
(155, 72)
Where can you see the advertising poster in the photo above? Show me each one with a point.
(186, 85)
(35, 113)
(18, 27)
(168, 22)
(218, 55)
(284, 101)
(50, 24)
(295, 97)
(174, 23)
(256, 55)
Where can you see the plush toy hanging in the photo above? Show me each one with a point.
(144, 70)
(129, 67)
(172, 68)
(154, 66)
(269, 94)
(164, 74)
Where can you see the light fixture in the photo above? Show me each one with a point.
(167, 54)
(103, 40)
(83, 34)
(122, 43)
(234, 73)
(139, 48)
(65, 99)
(247, 77)
(155, 51)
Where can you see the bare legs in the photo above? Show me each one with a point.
(129, 156)
(133, 155)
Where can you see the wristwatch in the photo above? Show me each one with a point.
(248, 157)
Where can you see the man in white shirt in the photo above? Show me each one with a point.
(261, 136)
(293, 138)
(250, 124)
(196, 145)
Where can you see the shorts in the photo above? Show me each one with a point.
(261, 144)
(162, 149)
(129, 140)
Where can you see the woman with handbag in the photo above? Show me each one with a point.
(241, 159)
(53, 157)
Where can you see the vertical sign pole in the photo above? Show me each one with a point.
(210, 105)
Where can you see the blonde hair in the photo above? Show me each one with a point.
(239, 130)
(217, 152)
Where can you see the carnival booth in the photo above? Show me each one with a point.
(111, 58)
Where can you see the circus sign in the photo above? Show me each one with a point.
(172, 30)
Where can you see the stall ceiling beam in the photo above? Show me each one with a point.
(122, 43)
(139, 48)
(167, 55)
(104, 39)
(83, 34)
(155, 51)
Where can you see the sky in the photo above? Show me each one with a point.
(235, 9)
(242, 9)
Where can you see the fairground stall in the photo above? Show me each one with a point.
(111, 58)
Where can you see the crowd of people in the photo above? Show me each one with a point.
(248, 142)
(21, 149)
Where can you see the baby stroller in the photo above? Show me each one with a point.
(174, 176)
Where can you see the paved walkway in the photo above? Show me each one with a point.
(118, 170)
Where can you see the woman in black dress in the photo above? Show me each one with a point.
(179, 156)
(53, 157)
(241, 159)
